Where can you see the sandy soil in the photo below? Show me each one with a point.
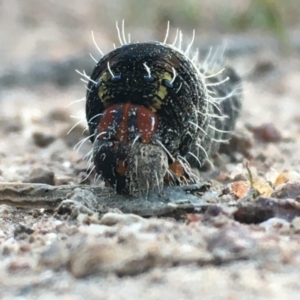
(243, 244)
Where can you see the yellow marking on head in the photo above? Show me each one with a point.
(156, 104)
(103, 90)
(162, 91)
(167, 76)
(105, 76)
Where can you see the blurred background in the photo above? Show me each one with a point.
(60, 31)
(43, 42)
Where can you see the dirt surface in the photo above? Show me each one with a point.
(236, 236)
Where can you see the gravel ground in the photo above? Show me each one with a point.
(244, 244)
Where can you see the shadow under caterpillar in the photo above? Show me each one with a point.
(154, 114)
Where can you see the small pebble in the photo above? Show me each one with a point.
(288, 190)
(296, 225)
(40, 175)
(267, 133)
(21, 231)
(42, 139)
(276, 225)
(58, 115)
(111, 219)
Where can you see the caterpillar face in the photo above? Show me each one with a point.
(150, 115)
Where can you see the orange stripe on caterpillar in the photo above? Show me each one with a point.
(125, 122)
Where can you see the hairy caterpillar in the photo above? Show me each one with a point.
(154, 113)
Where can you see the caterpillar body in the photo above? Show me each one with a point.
(154, 114)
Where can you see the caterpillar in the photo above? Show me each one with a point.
(154, 113)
